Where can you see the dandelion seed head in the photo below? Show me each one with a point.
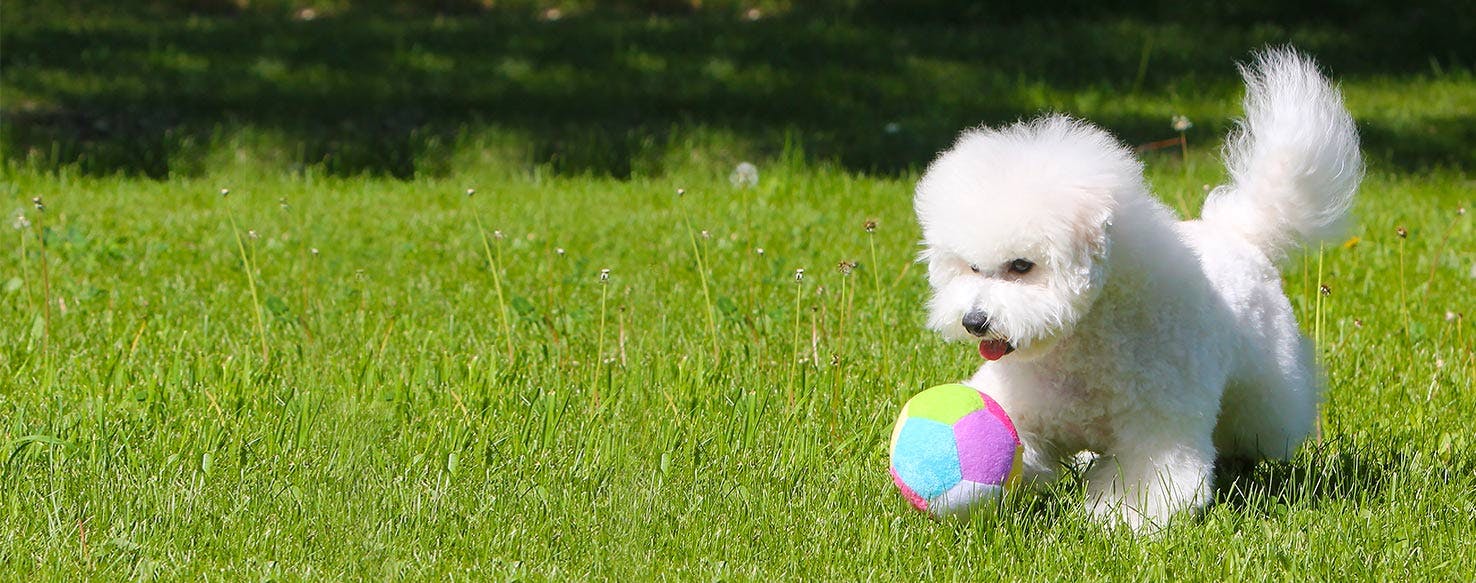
(745, 175)
(753, 14)
(559, 250)
(1450, 316)
(681, 192)
(706, 235)
(252, 234)
(225, 192)
(892, 127)
(282, 202)
(604, 275)
(21, 223)
(314, 250)
(471, 191)
(1182, 123)
(799, 276)
(497, 234)
(1461, 211)
(760, 251)
(40, 206)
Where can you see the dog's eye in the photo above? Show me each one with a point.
(1021, 266)
(975, 268)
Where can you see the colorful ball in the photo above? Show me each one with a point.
(953, 451)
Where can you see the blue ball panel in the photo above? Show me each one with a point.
(926, 457)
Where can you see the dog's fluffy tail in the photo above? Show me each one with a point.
(1294, 161)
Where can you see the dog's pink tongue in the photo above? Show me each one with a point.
(993, 349)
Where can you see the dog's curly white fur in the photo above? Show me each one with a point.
(1153, 342)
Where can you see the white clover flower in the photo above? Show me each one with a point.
(746, 175)
(892, 127)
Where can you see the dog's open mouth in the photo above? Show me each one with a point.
(995, 349)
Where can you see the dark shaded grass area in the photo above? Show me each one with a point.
(397, 88)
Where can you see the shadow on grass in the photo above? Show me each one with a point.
(1268, 489)
(614, 92)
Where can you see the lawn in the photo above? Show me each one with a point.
(264, 328)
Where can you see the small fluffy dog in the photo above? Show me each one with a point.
(1112, 327)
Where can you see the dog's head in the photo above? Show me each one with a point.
(1016, 227)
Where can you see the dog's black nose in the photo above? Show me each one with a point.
(976, 322)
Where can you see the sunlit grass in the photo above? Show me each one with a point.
(399, 439)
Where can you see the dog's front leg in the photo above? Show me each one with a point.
(1158, 471)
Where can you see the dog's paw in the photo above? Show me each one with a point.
(1145, 502)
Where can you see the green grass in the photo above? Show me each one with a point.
(392, 378)
(386, 432)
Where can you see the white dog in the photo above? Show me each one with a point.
(1114, 328)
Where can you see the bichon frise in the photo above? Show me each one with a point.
(1112, 327)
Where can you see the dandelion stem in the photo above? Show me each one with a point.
(1317, 314)
(250, 268)
(492, 265)
(799, 280)
(1403, 300)
(875, 271)
(876, 285)
(706, 293)
(45, 294)
(599, 358)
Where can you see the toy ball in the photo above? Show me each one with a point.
(954, 451)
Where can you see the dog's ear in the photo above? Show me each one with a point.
(1092, 241)
(937, 272)
(1090, 249)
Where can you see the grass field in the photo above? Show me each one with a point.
(355, 369)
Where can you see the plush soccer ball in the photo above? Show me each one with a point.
(954, 451)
